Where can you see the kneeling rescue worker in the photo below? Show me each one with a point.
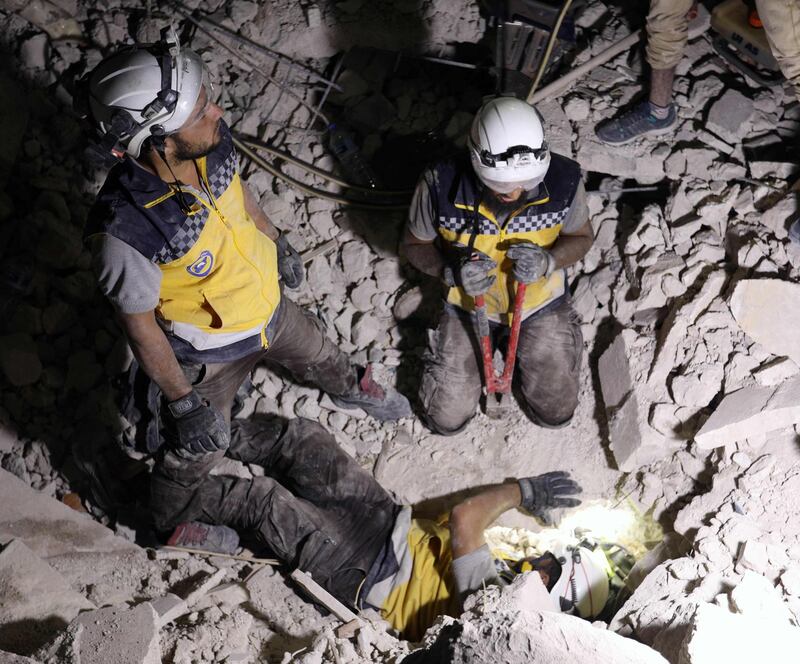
(513, 213)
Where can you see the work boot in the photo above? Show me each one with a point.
(638, 121)
(205, 537)
(383, 403)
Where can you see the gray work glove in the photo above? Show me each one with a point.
(471, 273)
(531, 262)
(199, 429)
(542, 493)
(290, 265)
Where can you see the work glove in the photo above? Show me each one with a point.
(542, 493)
(199, 429)
(471, 272)
(531, 262)
(290, 265)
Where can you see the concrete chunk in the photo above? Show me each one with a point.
(768, 310)
(116, 634)
(749, 412)
(169, 608)
(35, 601)
(729, 114)
(628, 400)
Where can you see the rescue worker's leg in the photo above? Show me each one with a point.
(300, 344)
(667, 33)
(781, 19)
(451, 380)
(549, 362)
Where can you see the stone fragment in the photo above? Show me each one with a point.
(365, 330)
(757, 597)
(768, 310)
(19, 359)
(169, 608)
(116, 634)
(728, 116)
(227, 594)
(752, 556)
(773, 373)
(634, 442)
(35, 597)
(749, 412)
(718, 635)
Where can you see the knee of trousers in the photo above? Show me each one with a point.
(553, 407)
(448, 404)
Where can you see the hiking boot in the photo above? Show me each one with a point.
(383, 403)
(205, 537)
(638, 121)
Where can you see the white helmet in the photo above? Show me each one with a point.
(147, 90)
(507, 145)
(583, 586)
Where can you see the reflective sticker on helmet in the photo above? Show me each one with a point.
(202, 266)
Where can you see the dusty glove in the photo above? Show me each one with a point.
(531, 262)
(199, 429)
(290, 265)
(471, 273)
(542, 493)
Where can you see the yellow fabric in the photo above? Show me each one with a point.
(413, 606)
(241, 290)
(500, 298)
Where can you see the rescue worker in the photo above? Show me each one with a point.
(193, 266)
(317, 509)
(667, 35)
(514, 212)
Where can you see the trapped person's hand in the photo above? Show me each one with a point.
(542, 493)
(199, 429)
(290, 265)
(531, 262)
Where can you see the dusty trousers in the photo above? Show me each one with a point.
(315, 509)
(298, 344)
(547, 370)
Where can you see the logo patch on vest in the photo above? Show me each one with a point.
(202, 266)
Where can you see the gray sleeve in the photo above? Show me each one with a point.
(474, 571)
(578, 213)
(129, 280)
(422, 214)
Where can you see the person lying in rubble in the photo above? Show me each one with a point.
(667, 35)
(513, 212)
(317, 510)
(192, 265)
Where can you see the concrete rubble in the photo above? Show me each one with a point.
(687, 301)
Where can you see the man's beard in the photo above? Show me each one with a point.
(185, 151)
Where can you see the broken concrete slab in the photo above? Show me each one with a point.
(10, 658)
(50, 528)
(717, 635)
(750, 412)
(628, 401)
(729, 114)
(36, 602)
(116, 634)
(169, 608)
(676, 325)
(768, 310)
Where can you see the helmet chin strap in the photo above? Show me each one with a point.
(161, 150)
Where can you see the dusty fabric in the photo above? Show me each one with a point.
(474, 571)
(667, 32)
(781, 19)
(315, 509)
(548, 366)
(299, 345)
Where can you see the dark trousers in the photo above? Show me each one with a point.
(315, 509)
(298, 344)
(547, 370)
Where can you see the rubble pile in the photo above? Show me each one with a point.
(689, 388)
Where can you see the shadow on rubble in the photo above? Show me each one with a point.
(61, 347)
(24, 637)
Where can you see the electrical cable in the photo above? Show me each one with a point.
(551, 42)
(313, 191)
(286, 156)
